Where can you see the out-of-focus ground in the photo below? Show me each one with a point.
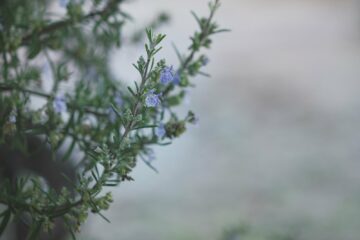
(278, 143)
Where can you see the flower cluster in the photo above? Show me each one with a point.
(167, 75)
(152, 99)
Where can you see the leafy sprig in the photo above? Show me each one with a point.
(110, 125)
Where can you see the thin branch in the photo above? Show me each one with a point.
(4, 87)
(111, 6)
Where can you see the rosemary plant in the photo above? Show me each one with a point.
(108, 125)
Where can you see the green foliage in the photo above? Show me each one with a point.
(110, 136)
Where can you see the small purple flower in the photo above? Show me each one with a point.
(167, 75)
(152, 99)
(160, 131)
(177, 78)
(59, 104)
(63, 3)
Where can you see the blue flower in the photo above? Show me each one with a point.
(160, 131)
(63, 3)
(167, 75)
(152, 99)
(59, 104)
(177, 78)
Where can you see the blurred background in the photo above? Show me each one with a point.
(277, 148)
